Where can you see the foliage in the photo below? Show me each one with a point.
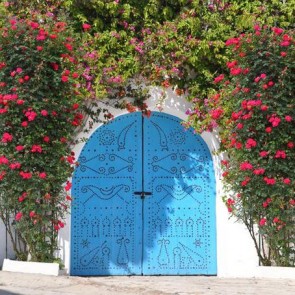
(39, 111)
(255, 113)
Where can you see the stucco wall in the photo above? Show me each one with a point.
(5, 245)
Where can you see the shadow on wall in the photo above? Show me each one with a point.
(5, 245)
(171, 230)
(3, 292)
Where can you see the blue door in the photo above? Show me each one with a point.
(144, 200)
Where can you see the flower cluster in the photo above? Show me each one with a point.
(255, 113)
(39, 112)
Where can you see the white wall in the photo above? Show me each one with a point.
(5, 251)
(236, 255)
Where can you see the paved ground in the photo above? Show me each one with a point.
(26, 284)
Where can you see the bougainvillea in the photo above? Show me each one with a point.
(39, 111)
(255, 114)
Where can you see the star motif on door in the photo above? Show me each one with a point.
(85, 243)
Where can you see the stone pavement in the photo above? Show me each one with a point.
(28, 284)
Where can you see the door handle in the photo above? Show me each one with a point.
(142, 194)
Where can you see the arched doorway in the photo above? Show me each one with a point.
(144, 200)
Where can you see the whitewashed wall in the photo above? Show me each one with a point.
(236, 254)
(5, 246)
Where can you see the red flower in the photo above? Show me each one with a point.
(15, 165)
(39, 48)
(286, 180)
(7, 137)
(36, 149)
(46, 139)
(268, 129)
(269, 181)
(68, 186)
(292, 202)
(32, 214)
(19, 148)
(264, 108)
(68, 198)
(69, 46)
(18, 216)
(31, 115)
(280, 155)
(288, 118)
(262, 221)
(64, 78)
(263, 154)
(250, 143)
(219, 78)
(25, 124)
(42, 175)
(25, 175)
(263, 76)
(86, 27)
(231, 64)
(235, 71)
(277, 31)
(246, 166)
(4, 160)
(259, 171)
(290, 145)
(245, 181)
(283, 54)
(22, 197)
(44, 113)
(276, 220)
(275, 121)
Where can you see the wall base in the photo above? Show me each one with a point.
(31, 267)
(269, 272)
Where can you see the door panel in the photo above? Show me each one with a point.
(144, 200)
(179, 216)
(106, 217)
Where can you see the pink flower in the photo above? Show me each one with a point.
(86, 27)
(288, 118)
(44, 113)
(264, 108)
(231, 64)
(240, 126)
(42, 175)
(20, 101)
(246, 166)
(18, 216)
(263, 154)
(269, 181)
(216, 114)
(250, 143)
(276, 220)
(268, 129)
(262, 221)
(68, 186)
(283, 54)
(275, 121)
(292, 202)
(64, 78)
(19, 148)
(259, 171)
(245, 181)
(22, 197)
(280, 154)
(4, 160)
(286, 180)
(36, 149)
(235, 71)
(32, 214)
(7, 137)
(263, 76)
(290, 145)
(31, 115)
(25, 175)
(46, 139)
(39, 48)
(277, 31)
(257, 79)
(15, 165)
(25, 124)
(219, 78)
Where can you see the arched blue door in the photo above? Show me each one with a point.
(144, 200)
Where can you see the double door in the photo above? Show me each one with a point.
(144, 200)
